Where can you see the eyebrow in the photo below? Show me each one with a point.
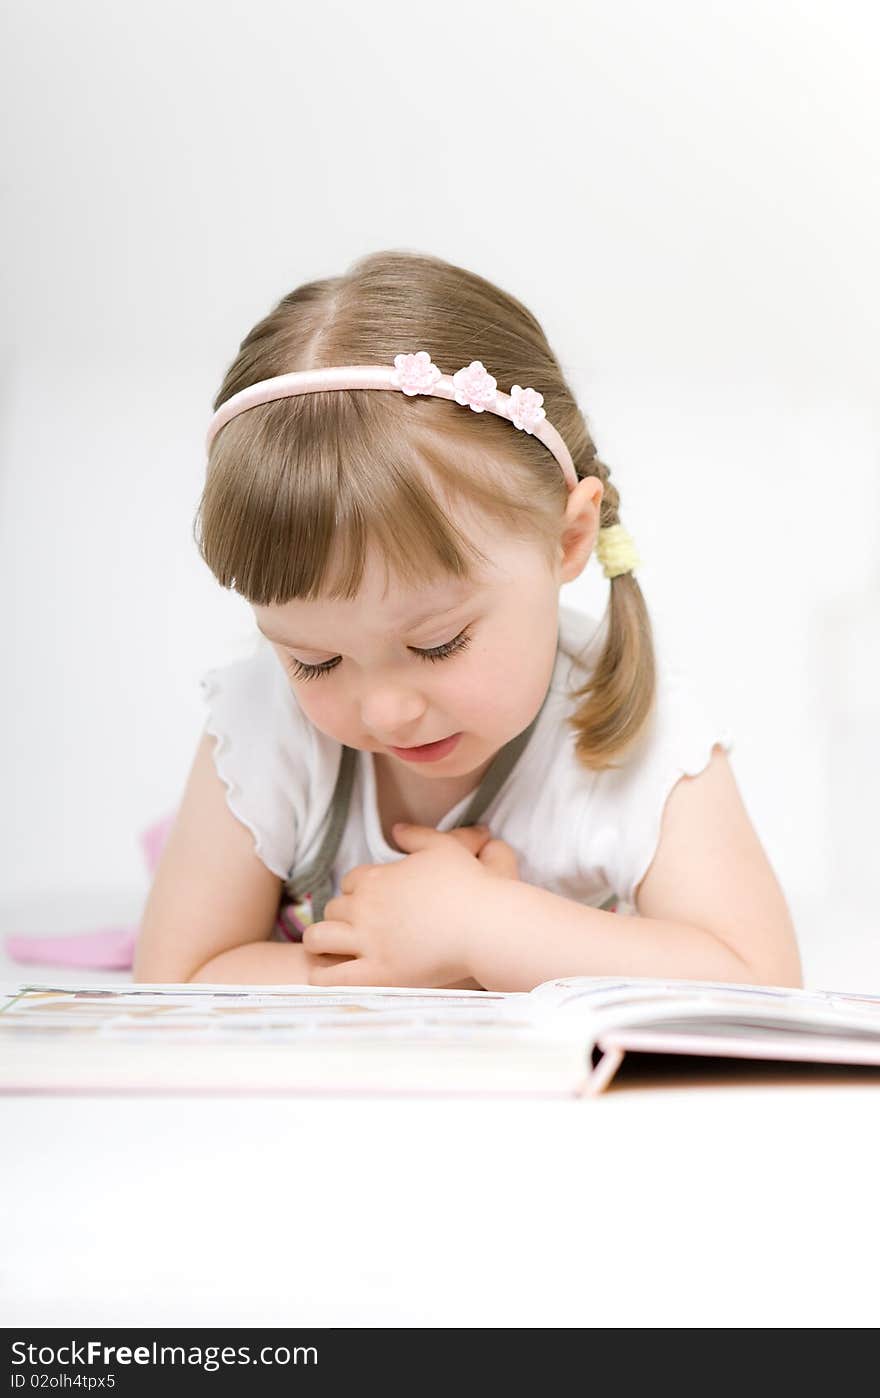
(410, 626)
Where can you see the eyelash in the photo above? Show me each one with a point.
(311, 672)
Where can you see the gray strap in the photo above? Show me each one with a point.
(317, 877)
(498, 771)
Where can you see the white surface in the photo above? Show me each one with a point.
(732, 1205)
(658, 1207)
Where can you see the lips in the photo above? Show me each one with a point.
(417, 747)
(428, 752)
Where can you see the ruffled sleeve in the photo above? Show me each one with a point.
(623, 822)
(263, 754)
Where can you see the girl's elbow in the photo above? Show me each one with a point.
(783, 969)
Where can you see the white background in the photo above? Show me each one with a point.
(687, 197)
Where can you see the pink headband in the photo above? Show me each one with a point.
(472, 386)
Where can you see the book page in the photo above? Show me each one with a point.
(286, 1039)
(270, 1014)
(600, 1002)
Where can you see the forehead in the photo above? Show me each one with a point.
(391, 608)
(387, 604)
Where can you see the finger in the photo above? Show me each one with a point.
(354, 972)
(323, 960)
(348, 883)
(340, 909)
(338, 938)
(499, 858)
(473, 837)
(415, 837)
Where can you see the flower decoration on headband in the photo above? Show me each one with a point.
(475, 387)
(414, 373)
(525, 408)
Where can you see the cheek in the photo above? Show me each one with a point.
(500, 682)
(326, 710)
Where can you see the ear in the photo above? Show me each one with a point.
(580, 527)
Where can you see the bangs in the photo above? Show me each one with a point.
(301, 489)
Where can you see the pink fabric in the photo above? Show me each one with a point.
(112, 948)
(106, 948)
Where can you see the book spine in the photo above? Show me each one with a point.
(600, 1074)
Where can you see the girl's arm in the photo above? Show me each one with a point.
(709, 908)
(533, 935)
(276, 963)
(257, 963)
(211, 893)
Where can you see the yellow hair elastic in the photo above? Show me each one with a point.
(616, 551)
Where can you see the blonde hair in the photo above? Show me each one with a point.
(293, 482)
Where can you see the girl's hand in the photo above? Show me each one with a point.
(407, 922)
(494, 855)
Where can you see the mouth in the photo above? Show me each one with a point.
(428, 752)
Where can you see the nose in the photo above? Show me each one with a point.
(392, 712)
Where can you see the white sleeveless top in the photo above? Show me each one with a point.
(585, 835)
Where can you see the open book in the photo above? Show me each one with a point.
(564, 1038)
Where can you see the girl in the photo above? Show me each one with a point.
(443, 776)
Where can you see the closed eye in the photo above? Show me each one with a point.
(301, 671)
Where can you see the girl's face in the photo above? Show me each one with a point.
(406, 667)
